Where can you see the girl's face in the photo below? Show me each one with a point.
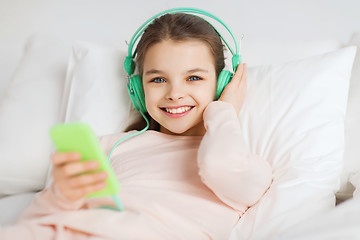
(179, 81)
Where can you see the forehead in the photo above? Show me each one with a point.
(179, 54)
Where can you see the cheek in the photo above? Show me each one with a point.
(213, 89)
(151, 97)
(207, 94)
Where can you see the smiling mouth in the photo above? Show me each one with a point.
(178, 110)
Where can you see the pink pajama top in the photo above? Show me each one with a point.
(172, 187)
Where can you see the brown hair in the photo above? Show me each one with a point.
(178, 27)
(181, 27)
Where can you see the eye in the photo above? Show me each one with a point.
(194, 78)
(157, 80)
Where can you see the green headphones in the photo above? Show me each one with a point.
(134, 84)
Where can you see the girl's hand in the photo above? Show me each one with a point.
(234, 92)
(72, 177)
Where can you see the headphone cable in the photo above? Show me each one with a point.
(120, 206)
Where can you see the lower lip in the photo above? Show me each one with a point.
(176, 115)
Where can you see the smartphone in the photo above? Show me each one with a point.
(79, 137)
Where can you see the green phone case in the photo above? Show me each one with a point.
(79, 137)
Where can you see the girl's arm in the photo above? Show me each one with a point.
(72, 180)
(238, 177)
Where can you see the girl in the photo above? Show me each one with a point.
(190, 177)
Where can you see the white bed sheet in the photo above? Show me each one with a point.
(341, 223)
(11, 207)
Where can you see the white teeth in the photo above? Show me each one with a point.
(177, 110)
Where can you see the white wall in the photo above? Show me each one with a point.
(114, 21)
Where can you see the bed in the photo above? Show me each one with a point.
(62, 62)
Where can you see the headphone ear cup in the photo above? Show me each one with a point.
(224, 78)
(137, 93)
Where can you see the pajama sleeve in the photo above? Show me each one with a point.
(238, 177)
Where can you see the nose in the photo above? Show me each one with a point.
(175, 92)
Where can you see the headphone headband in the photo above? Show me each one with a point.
(129, 64)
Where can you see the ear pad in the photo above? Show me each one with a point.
(223, 80)
(137, 94)
(129, 65)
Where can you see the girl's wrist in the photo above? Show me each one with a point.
(62, 201)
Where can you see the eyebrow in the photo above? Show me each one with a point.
(153, 71)
(156, 71)
(197, 70)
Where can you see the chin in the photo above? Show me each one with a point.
(183, 131)
(174, 131)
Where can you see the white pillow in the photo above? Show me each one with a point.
(30, 106)
(96, 81)
(355, 180)
(352, 130)
(96, 91)
(294, 116)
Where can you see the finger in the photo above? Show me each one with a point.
(244, 76)
(83, 191)
(75, 194)
(62, 158)
(77, 168)
(238, 74)
(87, 179)
(236, 78)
